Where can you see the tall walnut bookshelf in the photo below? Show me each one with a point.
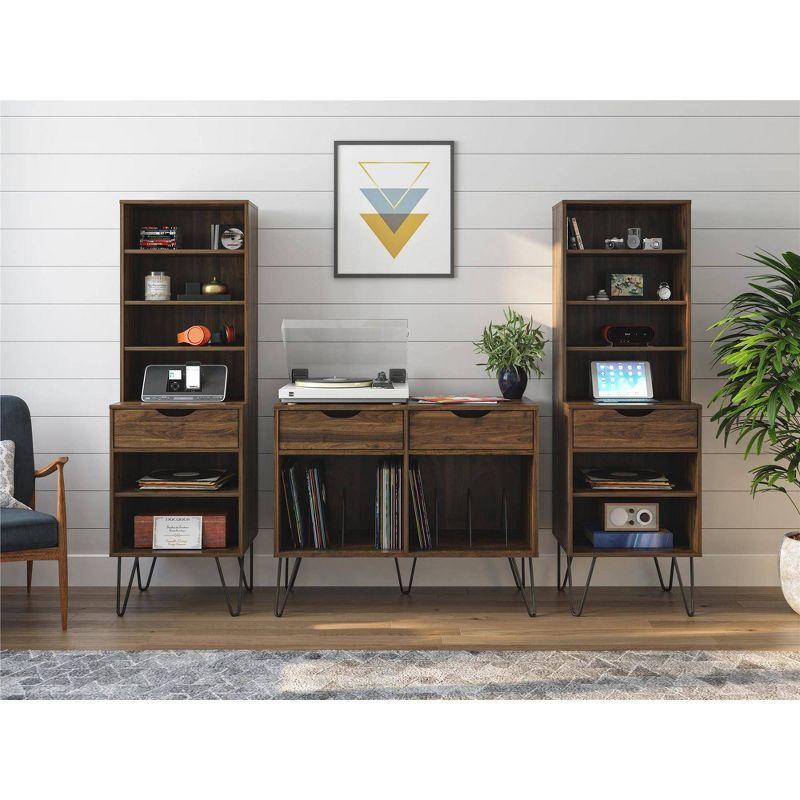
(149, 436)
(664, 435)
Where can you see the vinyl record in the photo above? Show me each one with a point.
(334, 382)
(623, 474)
(179, 475)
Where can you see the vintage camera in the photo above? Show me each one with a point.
(656, 243)
(615, 243)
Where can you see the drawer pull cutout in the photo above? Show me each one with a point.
(341, 414)
(469, 414)
(634, 412)
(176, 412)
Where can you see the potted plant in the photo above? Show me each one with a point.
(758, 350)
(513, 350)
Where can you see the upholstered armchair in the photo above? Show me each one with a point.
(26, 534)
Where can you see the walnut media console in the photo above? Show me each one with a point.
(479, 467)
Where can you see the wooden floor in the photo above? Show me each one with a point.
(630, 618)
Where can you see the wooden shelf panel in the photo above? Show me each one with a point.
(601, 552)
(607, 303)
(147, 552)
(187, 251)
(167, 303)
(346, 552)
(624, 494)
(171, 494)
(619, 253)
(626, 349)
(185, 348)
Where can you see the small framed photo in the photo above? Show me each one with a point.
(626, 284)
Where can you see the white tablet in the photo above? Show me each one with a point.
(622, 381)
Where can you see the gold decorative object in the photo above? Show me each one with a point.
(214, 287)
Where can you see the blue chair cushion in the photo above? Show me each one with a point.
(22, 529)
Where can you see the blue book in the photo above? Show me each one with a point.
(634, 540)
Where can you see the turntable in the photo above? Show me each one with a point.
(328, 361)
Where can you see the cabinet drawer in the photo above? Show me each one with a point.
(469, 429)
(340, 430)
(635, 429)
(167, 429)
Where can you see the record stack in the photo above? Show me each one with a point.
(208, 480)
(626, 480)
(420, 508)
(306, 507)
(159, 237)
(388, 527)
(318, 514)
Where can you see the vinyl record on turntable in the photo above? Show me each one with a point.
(333, 382)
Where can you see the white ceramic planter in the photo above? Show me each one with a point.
(790, 569)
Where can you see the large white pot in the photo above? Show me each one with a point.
(790, 569)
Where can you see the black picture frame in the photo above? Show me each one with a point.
(340, 142)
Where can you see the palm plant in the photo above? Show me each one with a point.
(513, 344)
(758, 350)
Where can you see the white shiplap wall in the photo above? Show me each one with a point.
(65, 166)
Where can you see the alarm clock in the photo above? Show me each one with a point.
(634, 239)
(663, 291)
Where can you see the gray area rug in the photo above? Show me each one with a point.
(415, 674)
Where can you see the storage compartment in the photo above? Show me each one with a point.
(584, 323)
(677, 515)
(342, 429)
(194, 221)
(136, 362)
(159, 325)
(470, 429)
(129, 467)
(126, 509)
(635, 428)
(680, 468)
(667, 370)
(350, 492)
(214, 530)
(601, 221)
(176, 428)
(476, 504)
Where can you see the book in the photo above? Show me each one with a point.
(632, 540)
(455, 398)
(578, 237)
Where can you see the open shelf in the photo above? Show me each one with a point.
(617, 302)
(608, 349)
(185, 348)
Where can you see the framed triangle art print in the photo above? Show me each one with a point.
(393, 209)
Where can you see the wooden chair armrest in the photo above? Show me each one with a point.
(51, 467)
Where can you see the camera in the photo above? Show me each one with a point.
(656, 243)
(615, 243)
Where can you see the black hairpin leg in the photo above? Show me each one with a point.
(406, 589)
(234, 612)
(519, 580)
(688, 604)
(282, 593)
(665, 587)
(134, 570)
(149, 574)
(248, 584)
(568, 580)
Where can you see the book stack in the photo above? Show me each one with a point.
(159, 237)
(626, 480)
(388, 527)
(420, 508)
(574, 234)
(306, 507)
(207, 480)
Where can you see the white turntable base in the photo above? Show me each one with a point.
(290, 393)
